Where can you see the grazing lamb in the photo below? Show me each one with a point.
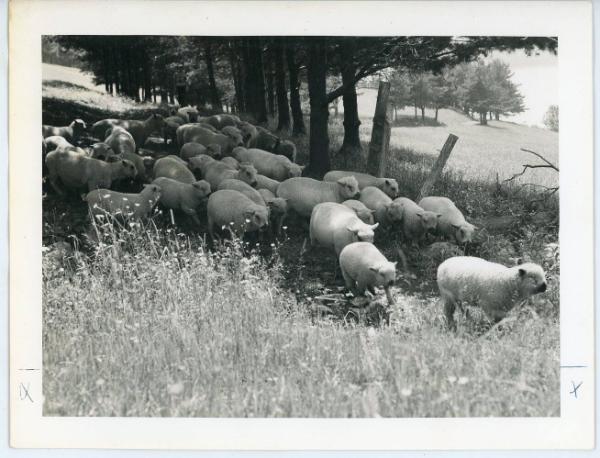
(272, 165)
(416, 222)
(172, 123)
(387, 212)
(334, 226)
(190, 114)
(175, 168)
(124, 146)
(277, 209)
(264, 140)
(387, 185)
(233, 210)
(452, 223)
(76, 170)
(303, 194)
(101, 151)
(233, 133)
(215, 172)
(136, 206)
(198, 134)
(71, 133)
(494, 287)
(244, 188)
(267, 183)
(249, 132)
(139, 130)
(364, 267)
(185, 197)
(56, 142)
(365, 214)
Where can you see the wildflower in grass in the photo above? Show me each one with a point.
(175, 388)
(451, 378)
(463, 380)
(406, 392)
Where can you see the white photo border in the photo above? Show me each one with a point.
(571, 21)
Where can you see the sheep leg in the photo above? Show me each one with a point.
(449, 308)
(55, 186)
(388, 295)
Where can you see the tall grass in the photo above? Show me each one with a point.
(151, 323)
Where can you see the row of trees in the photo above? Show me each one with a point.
(258, 75)
(474, 87)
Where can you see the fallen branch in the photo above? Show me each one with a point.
(547, 165)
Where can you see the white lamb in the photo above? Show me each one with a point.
(136, 206)
(274, 166)
(452, 223)
(416, 222)
(387, 185)
(364, 267)
(494, 287)
(173, 167)
(334, 226)
(233, 210)
(304, 193)
(387, 211)
(185, 197)
(365, 214)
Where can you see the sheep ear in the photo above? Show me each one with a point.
(124, 162)
(395, 263)
(519, 261)
(521, 272)
(371, 211)
(439, 215)
(456, 226)
(420, 215)
(374, 269)
(354, 230)
(375, 226)
(388, 182)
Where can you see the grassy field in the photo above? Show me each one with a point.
(153, 321)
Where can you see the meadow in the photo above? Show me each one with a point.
(154, 320)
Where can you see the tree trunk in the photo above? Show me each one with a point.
(497, 116)
(416, 112)
(215, 101)
(257, 81)
(283, 111)
(319, 163)
(483, 118)
(270, 80)
(436, 113)
(147, 78)
(298, 127)
(380, 136)
(237, 78)
(351, 144)
(423, 114)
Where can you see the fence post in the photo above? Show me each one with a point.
(438, 167)
(380, 136)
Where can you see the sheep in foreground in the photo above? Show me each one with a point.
(124, 146)
(364, 267)
(76, 170)
(200, 134)
(452, 223)
(416, 222)
(71, 133)
(189, 113)
(365, 214)
(494, 287)
(233, 210)
(185, 197)
(274, 166)
(136, 206)
(101, 151)
(303, 194)
(175, 168)
(56, 142)
(386, 211)
(387, 185)
(334, 226)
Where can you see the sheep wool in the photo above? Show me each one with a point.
(494, 287)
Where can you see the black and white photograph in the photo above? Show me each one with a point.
(305, 225)
(300, 226)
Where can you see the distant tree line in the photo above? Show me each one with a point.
(551, 118)
(262, 76)
(476, 87)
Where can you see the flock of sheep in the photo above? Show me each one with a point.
(253, 183)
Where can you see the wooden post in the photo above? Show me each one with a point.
(380, 136)
(438, 167)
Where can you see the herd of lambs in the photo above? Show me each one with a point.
(252, 182)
